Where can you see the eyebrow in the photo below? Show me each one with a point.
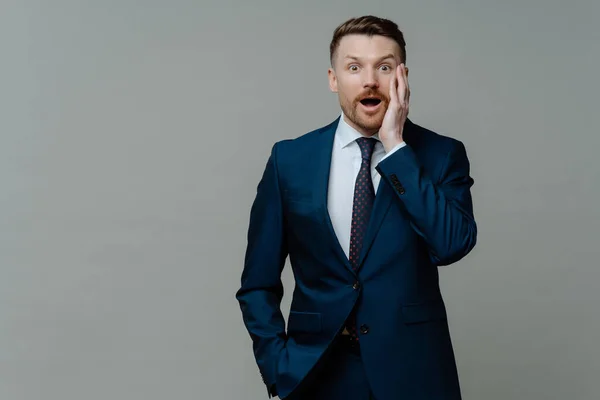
(380, 59)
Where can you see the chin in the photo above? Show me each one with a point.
(370, 122)
(364, 121)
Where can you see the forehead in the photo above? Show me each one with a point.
(366, 47)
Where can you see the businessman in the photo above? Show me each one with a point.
(367, 208)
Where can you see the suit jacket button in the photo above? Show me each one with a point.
(356, 285)
(364, 329)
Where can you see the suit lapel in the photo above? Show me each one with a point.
(383, 201)
(323, 161)
(383, 198)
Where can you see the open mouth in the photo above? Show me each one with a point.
(370, 101)
(370, 104)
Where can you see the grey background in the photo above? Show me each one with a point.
(133, 135)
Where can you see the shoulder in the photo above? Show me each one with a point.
(306, 143)
(310, 137)
(429, 140)
(436, 151)
(433, 148)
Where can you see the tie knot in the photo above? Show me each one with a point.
(366, 147)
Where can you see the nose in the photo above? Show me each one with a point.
(370, 79)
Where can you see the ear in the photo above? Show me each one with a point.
(332, 80)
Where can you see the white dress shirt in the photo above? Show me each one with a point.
(345, 165)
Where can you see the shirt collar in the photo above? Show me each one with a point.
(347, 134)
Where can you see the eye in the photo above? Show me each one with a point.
(386, 67)
(353, 67)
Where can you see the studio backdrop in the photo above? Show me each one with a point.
(133, 135)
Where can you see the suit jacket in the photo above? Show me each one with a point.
(422, 218)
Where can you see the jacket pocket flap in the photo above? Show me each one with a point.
(424, 312)
(304, 322)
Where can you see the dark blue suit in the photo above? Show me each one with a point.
(422, 218)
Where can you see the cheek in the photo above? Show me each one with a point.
(349, 90)
(348, 97)
(384, 82)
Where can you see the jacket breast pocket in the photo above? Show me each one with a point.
(305, 322)
(424, 312)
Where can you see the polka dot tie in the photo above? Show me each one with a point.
(364, 196)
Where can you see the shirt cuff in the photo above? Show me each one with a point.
(392, 151)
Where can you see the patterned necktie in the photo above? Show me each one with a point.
(364, 196)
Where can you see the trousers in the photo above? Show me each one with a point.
(339, 375)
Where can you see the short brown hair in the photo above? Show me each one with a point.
(371, 26)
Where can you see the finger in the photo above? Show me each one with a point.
(401, 85)
(407, 84)
(405, 95)
(393, 88)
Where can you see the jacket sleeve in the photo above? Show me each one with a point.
(261, 288)
(441, 211)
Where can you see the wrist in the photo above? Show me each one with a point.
(389, 145)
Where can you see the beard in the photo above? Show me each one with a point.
(366, 122)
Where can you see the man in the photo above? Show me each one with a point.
(367, 208)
